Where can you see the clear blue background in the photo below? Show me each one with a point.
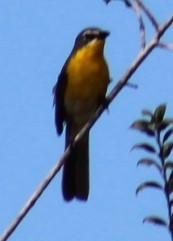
(35, 40)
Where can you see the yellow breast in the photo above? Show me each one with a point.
(88, 74)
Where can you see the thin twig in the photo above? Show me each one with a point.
(127, 3)
(122, 83)
(166, 46)
(106, 1)
(148, 14)
(137, 9)
(131, 85)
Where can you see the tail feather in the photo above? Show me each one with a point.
(75, 182)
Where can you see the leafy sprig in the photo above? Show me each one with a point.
(156, 126)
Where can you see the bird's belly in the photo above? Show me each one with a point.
(79, 111)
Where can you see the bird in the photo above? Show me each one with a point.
(80, 89)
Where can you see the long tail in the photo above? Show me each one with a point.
(75, 181)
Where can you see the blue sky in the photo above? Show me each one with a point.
(36, 38)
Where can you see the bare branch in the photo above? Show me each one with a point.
(116, 90)
(136, 8)
(148, 14)
(141, 23)
(131, 85)
(165, 46)
(35, 196)
(164, 27)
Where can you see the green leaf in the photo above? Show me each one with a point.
(169, 184)
(167, 134)
(152, 184)
(171, 176)
(164, 124)
(145, 146)
(171, 202)
(159, 113)
(168, 121)
(149, 162)
(146, 112)
(171, 224)
(155, 220)
(143, 126)
(168, 165)
(167, 148)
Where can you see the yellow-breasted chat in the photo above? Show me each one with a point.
(80, 89)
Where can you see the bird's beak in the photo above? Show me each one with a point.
(104, 34)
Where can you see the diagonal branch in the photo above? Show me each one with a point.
(164, 27)
(116, 90)
(35, 196)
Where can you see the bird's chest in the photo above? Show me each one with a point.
(88, 78)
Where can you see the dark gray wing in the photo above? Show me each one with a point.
(58, 92)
